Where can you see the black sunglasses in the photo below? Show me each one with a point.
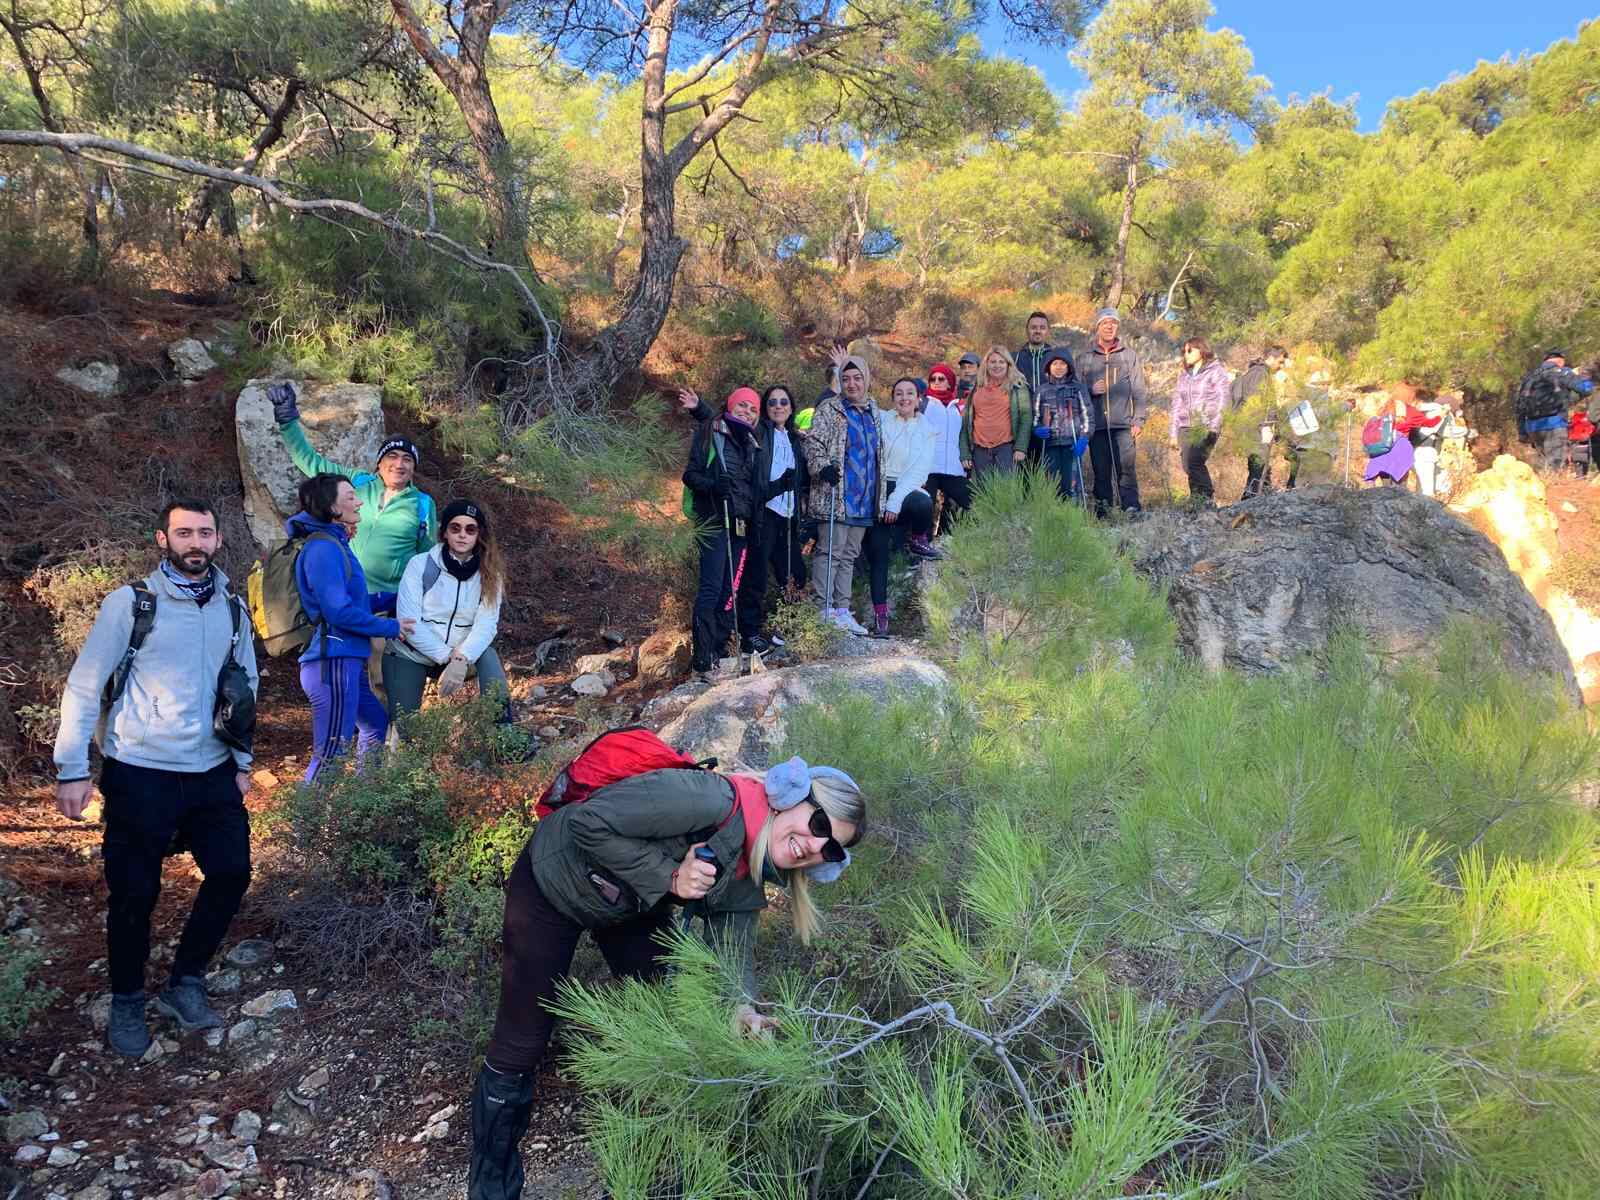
(821, 827)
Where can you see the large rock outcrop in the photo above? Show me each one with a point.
(1507, 504)
(343, 420)
(742, 721)
(1256, 586)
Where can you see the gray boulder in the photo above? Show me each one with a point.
(742, 722)
(344, 422)
(1260, 584)
(96, 378)
(191, 359)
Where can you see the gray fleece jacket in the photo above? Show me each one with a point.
(163, 718)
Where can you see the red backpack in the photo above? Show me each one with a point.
(615, 755)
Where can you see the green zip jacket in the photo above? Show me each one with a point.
(632, 835)
(1021, 420)
(388, 535)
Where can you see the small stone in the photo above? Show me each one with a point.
(58, 1064)
(232, 1156)
(594, 683)
(247, 1126)
(224, 982)
(314, 1082)
(95, 1191)
(611, 637)
(27, 1155)
(251, 952)
(24, 1125)
(50, 1137)
(96, 378)
(538, 692)
(549, 733)
(100, 1011)
(214, 1038)
(1567, 506)
(268, 1003)
(444, 1114)
(212, 1183)
(241, 1031)
(191, 359)
(62, 1156)
(120, 1163)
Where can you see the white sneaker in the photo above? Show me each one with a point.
(848, 621)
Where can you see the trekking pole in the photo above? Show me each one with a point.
(827, 600)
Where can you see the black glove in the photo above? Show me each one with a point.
(721, 488)
(829, 475)
(786, 480)
(284, 408)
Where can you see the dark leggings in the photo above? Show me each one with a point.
(539, 942)
(916, 516)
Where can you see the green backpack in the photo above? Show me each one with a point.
(274, 596)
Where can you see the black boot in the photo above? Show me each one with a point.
(502, 1105)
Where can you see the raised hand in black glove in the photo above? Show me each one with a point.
(284, 408)
(829, 474)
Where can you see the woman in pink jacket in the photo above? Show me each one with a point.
(1197, 406)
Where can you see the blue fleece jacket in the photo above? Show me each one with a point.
(334, 587)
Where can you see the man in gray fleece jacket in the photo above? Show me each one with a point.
(165, 770)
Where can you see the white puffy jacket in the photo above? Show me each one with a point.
(908, 447)
(452, 615)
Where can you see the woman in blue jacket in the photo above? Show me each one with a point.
(333, 592)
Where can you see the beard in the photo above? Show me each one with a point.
(193, 563)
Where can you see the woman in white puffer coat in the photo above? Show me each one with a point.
(907, 516)
(453, 594)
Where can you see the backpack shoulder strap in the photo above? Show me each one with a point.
(344, 560)
(144, 619)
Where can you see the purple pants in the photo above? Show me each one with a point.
(342, 702)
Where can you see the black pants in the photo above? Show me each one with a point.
(1114, 450)
(883, 541)
(1194, 466)
(144, 808)
(957, 493)
(775, 555)
(539, 942)
(712, 622)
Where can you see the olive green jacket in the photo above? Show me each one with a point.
(632, 835)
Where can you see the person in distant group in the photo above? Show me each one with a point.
(998, 422)
(1260, 377)
(1543, 397)
(966, 377)
(1030, 360)
(721, 478)
(333, 592)
(1198, 402)
(947, 479)
(400, 520)
(1115, 379)
(166, 766)
(907, 513)
(1063, 422)
(780, 476)
(844, 457)
(453, 594)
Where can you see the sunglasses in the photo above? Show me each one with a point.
(776, 400)
(821, 827)
(457, 527)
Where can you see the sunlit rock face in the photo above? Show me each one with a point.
(1507, 505)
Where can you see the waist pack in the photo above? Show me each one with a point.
(615, 755)
(1378, 436)
(276, 609)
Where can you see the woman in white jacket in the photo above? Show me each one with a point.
(907, 514)
(453, 593)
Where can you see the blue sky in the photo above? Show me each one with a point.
(1375, 49)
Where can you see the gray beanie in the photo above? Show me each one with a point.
(1107, 314)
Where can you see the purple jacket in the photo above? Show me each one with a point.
(1200, 397)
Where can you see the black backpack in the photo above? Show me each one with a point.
(1539, 395)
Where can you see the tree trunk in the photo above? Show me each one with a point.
(466, 77)
(1119, 263)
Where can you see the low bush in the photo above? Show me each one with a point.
(806, 636)
(401, 862)
(1125, 927)
(21, 993)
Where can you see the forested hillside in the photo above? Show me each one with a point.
(560, 180)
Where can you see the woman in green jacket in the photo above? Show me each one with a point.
(620, 865)
(997, 423)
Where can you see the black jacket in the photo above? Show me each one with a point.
(722, 466)
(766, 488)
(1250, 381)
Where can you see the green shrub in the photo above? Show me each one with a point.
(806, 636)
(1125, 927)
(21, 995)
(743, 318)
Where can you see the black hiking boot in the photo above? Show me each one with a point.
(126, 1032)
(184, 1000)
(502, 1105)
